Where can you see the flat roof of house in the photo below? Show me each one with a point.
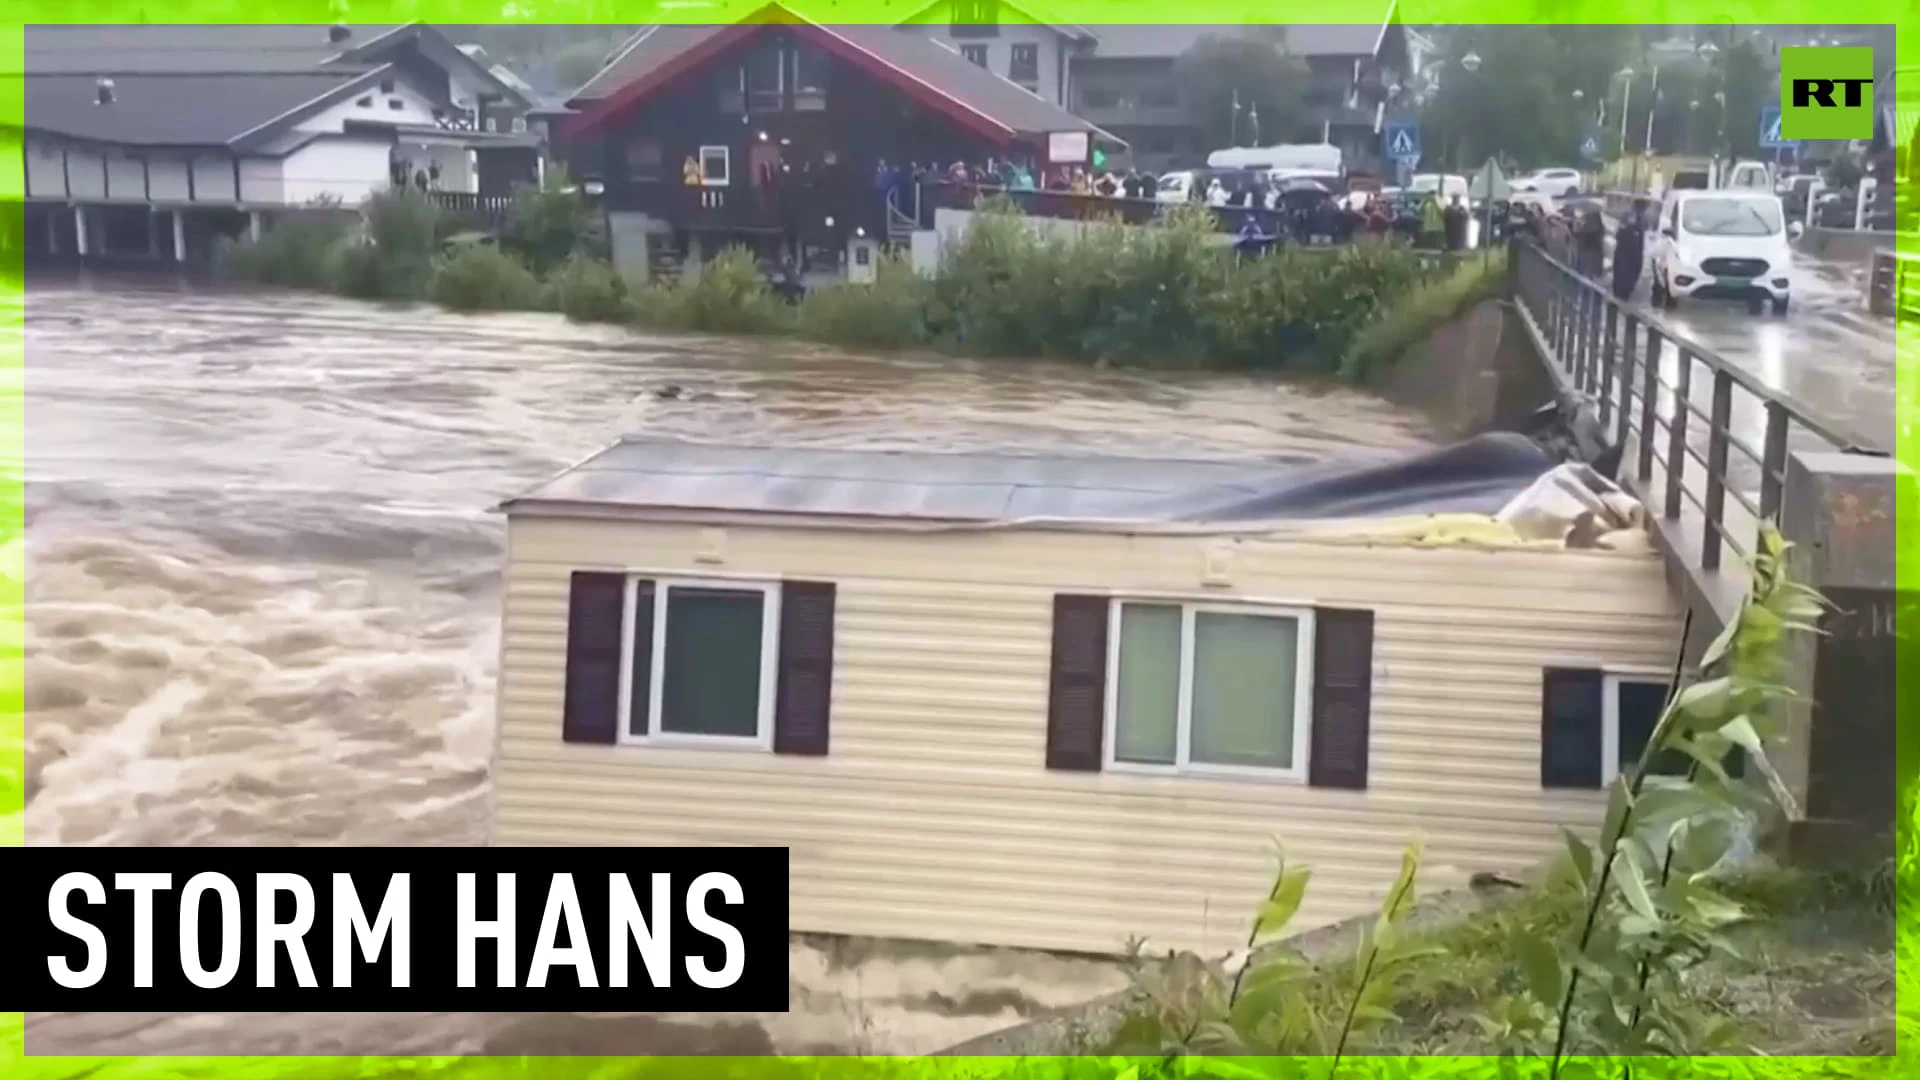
(657, 477)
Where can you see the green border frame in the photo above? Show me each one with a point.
(15, 1065)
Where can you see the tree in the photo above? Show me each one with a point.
(1520, 102)
(1744, 73)
(1217, 71)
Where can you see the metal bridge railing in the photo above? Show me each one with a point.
(1704, 443)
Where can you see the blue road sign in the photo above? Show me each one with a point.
(1770, 130)
(1401, 141)
(1590, 147)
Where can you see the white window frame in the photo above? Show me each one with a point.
(762, 738)
(1183, 764)
(726, 157)
(1610, 682)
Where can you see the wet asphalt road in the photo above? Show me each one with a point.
(1827, 353)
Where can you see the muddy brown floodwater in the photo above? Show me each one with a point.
(262, 594)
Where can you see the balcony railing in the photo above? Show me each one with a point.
(492, 208)
(1073, 206)
(1685, 420)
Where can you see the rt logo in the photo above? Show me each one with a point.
(1826, 93)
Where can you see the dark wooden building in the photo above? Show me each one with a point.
(777, 132)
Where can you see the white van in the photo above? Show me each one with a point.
(1727, 244)
(1448, 186)
(1749, 176)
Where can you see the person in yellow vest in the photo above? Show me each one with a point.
(1433, 221)
(690, 172)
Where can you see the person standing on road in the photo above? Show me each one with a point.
(1629, 251)
(1433, 222)
(1590, 244)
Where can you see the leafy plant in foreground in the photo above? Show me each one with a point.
(1613, 986)
(1268, 999)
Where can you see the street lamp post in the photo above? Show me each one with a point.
(1625, 75)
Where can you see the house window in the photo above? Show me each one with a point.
(975, 53)
(1099, 97)
(519, 125)
(396, 104)
(716, 166)
(766, 76)
(698, 664)
(1631, 707)
(730, 91)
(809, 78)
(365, 102)
(975, 18)
(386, 86)
(1209, 687)
(645, 161)
(1159, 97)
(1023, 66)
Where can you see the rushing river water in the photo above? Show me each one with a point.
(262, 591)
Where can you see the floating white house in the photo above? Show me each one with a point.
(1054, 702)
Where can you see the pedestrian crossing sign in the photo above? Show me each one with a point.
(1403, 142)
(1590, 148)
(1770, 130)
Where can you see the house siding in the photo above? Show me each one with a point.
(45, 171)
(261, 181)
(167, 179)
(933, 816)
(416, 107)
(348, 169)
(213, 179)
(86, 173)
(126, 177)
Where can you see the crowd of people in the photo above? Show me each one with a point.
(1579, 240)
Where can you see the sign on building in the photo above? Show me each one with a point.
(1069, 148)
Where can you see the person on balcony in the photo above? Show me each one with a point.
(690, 172)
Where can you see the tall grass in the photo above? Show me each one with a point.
(1376, 347)
(299, 253)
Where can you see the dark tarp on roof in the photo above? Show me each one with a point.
(917, 58)
(1478, 476)
(182, 49)
(171, 110)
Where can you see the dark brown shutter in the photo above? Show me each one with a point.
(596, 603)
(1570, 726)
(1077, 701)
(1342, 697)
(805, 694)
(641, 705)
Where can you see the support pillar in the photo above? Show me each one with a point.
(253, 225)
(53, 233)
(696, 258)
(1839, 758)
(180, 237)
(80, 245)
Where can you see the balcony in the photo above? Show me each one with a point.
(1066, 204)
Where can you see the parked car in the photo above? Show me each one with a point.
(1726, 244)
(1448, 185)
(1553, 183)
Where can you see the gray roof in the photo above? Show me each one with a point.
(174, 110)
(198, 50)
(918, 57)
(648, 48)
(964, 81)
(1480, 475)
(1167, 42)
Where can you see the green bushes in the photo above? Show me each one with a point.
(298, 253)
(481, 277)
(1380, 344)
(1170, 295)
(588, 290)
